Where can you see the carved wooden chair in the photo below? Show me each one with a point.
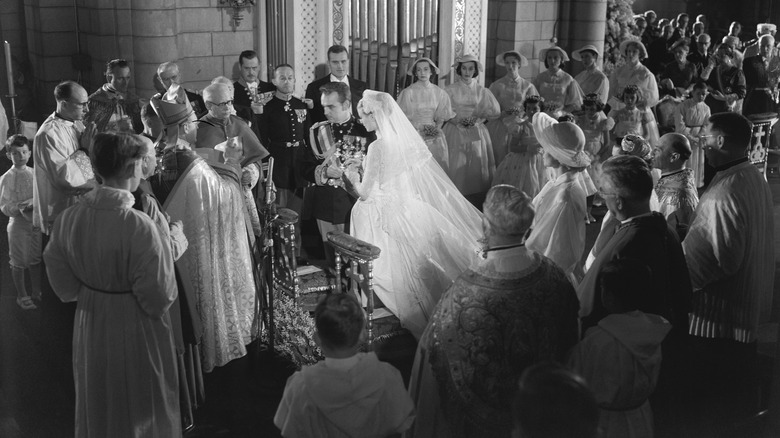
(359, 256)
(760, 142)
(304, 284)
(307, 284)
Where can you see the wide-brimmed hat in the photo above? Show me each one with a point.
(543, 53)
(638, 42)
(766, 27)
(434, 68)
(171, 113)
(564, 141)
(590, 47)
(500, 58)
(468, 58)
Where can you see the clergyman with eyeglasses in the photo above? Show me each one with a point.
(730, 252)
(61, 147)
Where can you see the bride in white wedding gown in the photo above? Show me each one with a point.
(408, 207)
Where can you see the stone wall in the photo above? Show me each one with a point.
(198, 34)
(526, 25)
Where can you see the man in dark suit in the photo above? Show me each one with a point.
(759, 97)
(700, 54)
(251, 94)
(338, 138)
(338, 62)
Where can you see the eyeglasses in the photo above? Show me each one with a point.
(223, 104)
(79, 104)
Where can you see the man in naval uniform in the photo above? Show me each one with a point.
(340, 137)
(338, 62)
(284, 126)
(250, 93)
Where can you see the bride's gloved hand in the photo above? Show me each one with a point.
(351, 179)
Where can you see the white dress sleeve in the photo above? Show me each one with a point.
(372, 171)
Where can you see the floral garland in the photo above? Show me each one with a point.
(624, 18)
(294, 332)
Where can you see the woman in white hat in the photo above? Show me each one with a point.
(633, 72)
(510, 91)
(560, 91)
(592, 79)
(558, 231)
(471, 152)
(427, 106)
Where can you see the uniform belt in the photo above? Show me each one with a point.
(286, 144)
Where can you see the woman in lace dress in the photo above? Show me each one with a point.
(471, 151)
(412, 211)
(427, 106)
(510, 91)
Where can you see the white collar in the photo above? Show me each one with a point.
(341, 364)
(344, 80)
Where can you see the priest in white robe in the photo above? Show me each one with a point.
(730, 252)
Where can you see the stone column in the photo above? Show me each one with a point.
(582, 22)
(51, 39)
(154, 40)
(462, 31)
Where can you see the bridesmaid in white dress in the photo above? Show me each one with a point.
(560, 91)
(471, 152)
(427, 106)
(510, 91)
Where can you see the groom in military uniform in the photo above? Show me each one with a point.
(333, 142)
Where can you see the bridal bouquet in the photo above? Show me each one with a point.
(429, 132)
(468, 122)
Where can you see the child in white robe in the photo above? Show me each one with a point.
(24, 240)
(349, 394)
(523, 166)
(689, 120)
(632, 118)
(596, 126)
(620, 358)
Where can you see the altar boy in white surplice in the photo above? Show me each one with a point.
(349, 394)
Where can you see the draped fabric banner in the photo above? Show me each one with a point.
(387, 36)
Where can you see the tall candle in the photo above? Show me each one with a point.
(9, 71)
